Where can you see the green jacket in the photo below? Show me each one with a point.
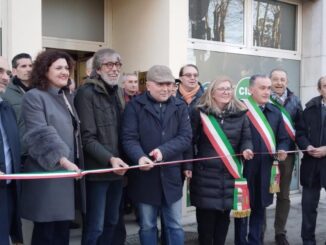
(100, 125)
(14, 95)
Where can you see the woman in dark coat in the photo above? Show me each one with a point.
(212, 185)
(52, 139)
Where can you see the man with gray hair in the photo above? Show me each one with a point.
(156, 127)
(99, 103)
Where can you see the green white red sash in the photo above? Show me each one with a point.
(289, 125)
(221, 144)
(260, 122)
(263, 127)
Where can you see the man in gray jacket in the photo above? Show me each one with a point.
(18, 86)
(99, 103)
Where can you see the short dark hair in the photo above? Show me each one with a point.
(278, 69)
(254, 77)
(42, 64)
(320, 80)
(14, 61)
(188, 65)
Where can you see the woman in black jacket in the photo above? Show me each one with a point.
(212, 185)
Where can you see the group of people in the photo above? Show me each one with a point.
(240, 150)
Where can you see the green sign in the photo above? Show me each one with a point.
(242, 88)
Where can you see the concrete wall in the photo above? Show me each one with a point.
(24, 27)
(148, 32)
(313, 47)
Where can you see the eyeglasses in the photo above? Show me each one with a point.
(110, 65)
(189, 75)
(229, 89)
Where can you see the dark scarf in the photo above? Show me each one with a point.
(16, 81)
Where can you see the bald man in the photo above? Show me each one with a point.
(4, 74)
(9, 163)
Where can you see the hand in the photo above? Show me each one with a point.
(318, 152)
(310, 149)
(187, 173)
(156, 154)
(146, 163)
(68, 165)
(2, 173)
(118, 163)
(248, 154)
(281, 155)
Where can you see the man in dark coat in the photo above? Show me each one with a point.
(99, 103)
(9, 162)
(156, 126)
(283, 96)
(311, 136)
(258, 170)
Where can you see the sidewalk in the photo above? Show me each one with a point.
(190, 227)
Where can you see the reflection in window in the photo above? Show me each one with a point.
(274, 24)
(217, 20)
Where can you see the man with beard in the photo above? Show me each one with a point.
(99, 103)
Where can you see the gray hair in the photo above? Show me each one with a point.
(101, 55)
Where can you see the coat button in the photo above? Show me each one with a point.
(163, 133)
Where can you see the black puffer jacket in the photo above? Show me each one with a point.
(212, 185)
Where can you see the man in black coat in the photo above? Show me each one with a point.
(258, 170)
(156, 126)
(9, 162)
(311, 136)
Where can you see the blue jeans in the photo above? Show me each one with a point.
(102, 211)
(173, 230)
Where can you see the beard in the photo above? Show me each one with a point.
(110, 81)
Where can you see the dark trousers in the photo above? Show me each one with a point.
(120, 233)
(310, 200)
(51, 233)
(6, 211)
(256, 221)
(213, 226)
(283, 197)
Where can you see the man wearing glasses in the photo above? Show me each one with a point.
(100, 103)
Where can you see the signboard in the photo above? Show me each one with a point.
(242, 89)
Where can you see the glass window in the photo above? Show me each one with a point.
(237, 66)
(73, 19)
(217, 20)
(274, 24)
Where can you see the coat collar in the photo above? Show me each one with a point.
(314, 102)
(171, 106)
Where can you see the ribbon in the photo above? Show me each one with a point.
(72, 174)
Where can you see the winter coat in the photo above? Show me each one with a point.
(312, 132)
(14, 95)
(142, 132)
(258, 170)
(49, 136)
(195, 98)
(100, 125)
(212, 185)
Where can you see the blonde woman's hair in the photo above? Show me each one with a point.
(208, 104)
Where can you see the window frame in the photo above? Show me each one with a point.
(247, 47)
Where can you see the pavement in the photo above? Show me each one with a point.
(190, 226)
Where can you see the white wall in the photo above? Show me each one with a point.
(313, 47)
(149, 32)
(24, 27)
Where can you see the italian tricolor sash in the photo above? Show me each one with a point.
(289, 126)
(221, 144)
(260, 122)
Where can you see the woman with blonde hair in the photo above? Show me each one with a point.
(221, 131)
